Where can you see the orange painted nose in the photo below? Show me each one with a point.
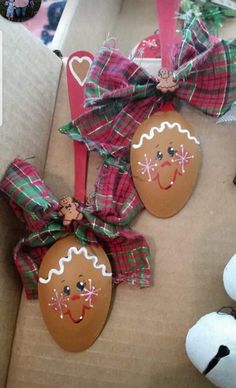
(74, 297)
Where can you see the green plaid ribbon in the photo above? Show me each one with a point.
(105, 222)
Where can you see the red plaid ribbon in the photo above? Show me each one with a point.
(206, 69)
(120, 95)
(105, 218)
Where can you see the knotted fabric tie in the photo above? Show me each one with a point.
(105, 222)
(120, 95)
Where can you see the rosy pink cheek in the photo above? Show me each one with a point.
(147, 167)
(182, 158)
(90, 294)
(59, 303)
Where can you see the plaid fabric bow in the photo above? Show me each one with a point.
(120, 95)
(104, 222)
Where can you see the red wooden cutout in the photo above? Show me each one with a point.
(75, 84)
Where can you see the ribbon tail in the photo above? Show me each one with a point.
(206, 70)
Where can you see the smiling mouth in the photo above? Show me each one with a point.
(171, 183)
(68, 312)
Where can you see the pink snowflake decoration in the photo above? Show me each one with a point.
(90, 293)
(182, 158)
(147, 167)
(58, 302)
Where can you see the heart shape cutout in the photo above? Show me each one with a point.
(79, 67)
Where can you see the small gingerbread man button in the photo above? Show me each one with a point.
(68, 210)
(166, 81)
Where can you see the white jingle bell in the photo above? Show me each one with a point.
(211, 346)
(229, 278)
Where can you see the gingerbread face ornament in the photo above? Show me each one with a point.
(165, 161)
(75, 284)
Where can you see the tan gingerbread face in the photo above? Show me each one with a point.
(165, 160)
(74, 293)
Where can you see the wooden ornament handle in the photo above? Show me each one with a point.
(76, 99)
(166, 14)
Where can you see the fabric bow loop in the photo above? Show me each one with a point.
(94, 222)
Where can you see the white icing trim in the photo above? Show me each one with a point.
(82, 250)
(161, 129)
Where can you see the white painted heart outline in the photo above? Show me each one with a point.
(73, 72)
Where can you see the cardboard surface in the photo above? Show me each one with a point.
(10, 288)
(142, 344)
(31, 75)
(94, 20)
(30, 71)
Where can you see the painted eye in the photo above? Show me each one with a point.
(66, 290)
(171, 151)
(159, 155)
(80, 286)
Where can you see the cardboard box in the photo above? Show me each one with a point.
(143, 342)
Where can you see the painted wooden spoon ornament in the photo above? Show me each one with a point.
(75, 280)
(165, 160)
(75, 292)
(165, 154)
